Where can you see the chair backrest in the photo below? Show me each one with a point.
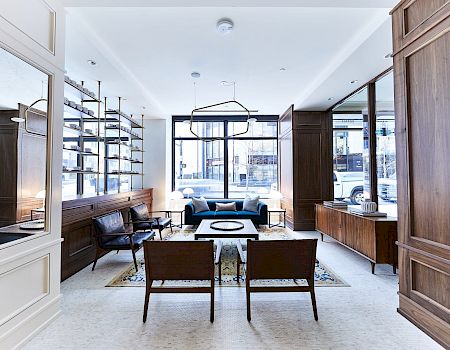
(179, 260)
(286, 259)
(139, 212)
(108, 223)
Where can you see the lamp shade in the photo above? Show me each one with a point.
(188, 191)
(40, 195)
(275, 195)
(176, 195)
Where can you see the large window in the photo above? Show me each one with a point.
(385, 141)
(353, 160)
(229, 167)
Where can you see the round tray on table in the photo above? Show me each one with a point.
(226, 225)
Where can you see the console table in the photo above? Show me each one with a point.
(372, 237)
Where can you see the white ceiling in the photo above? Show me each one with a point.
(146, 54)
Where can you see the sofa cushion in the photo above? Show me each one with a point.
(244, 214)
(251, 203)
(200, 204)
(226, 206)
(205, 214)
(226, 215)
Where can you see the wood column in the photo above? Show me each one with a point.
(421, 31)
(306, 176)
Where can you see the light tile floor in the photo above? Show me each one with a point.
(362, 316)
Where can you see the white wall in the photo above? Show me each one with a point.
(30, 268)
(156, 158)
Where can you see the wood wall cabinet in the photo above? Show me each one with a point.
(305, 167)
(78, 247)
(421, 31)
(22, 158)
(372, 238)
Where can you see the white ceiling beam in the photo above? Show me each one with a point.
(233, 3)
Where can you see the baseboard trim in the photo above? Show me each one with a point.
(433, 326)
(26, 329)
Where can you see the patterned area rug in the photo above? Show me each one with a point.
(323, 277)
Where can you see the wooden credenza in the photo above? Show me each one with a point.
(78, 246)
(372, 238)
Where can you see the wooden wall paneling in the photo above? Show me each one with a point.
(312, 165)
(78, 247)
(422, 83)
(285, 166)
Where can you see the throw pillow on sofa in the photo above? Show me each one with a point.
(226, 206)
(251, 203)
(200, 205)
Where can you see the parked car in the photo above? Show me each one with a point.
(349, 185)
(387, 188)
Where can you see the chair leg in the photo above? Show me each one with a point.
(238, 268)
(117, 252)
(134, 259)
(160, 233)
(220, 271)
(147, 299)
(211, 313)
(313, 300)
(97, 253)
(171, 227)
(247, 292)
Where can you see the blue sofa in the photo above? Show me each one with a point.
(258, 218)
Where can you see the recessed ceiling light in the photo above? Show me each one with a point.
(389, 55)
(226, 83)
(353, 81)
(92, 62)
(330, 98)
(143, 107)
(225, 26)
(195, 75)
(282, 69)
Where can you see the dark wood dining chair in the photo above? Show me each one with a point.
(111, 234)
(179, 260)
(287, 259)
(143, 220)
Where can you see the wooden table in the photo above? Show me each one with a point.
(205, 231)
(371, 237)
(280, 211)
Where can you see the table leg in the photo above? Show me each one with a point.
(373, 267)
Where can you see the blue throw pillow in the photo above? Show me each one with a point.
(200, 204)
(251, 203)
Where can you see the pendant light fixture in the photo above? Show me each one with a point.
(213, 109)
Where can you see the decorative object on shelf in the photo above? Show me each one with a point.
(226, 225)
(369, 207)
(188, 192)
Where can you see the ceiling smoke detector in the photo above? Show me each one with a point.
(195, 75)
(92, 62)
(225, 26)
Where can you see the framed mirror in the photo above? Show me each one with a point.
(24, 126)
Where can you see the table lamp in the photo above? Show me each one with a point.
(41, 195)
(188, 192)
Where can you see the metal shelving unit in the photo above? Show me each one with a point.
(126, 134)
(77, 119)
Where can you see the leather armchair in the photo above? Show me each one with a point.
(111, 234)
(142, 221)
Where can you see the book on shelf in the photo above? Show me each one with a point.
(360, 212)
(335, 204)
